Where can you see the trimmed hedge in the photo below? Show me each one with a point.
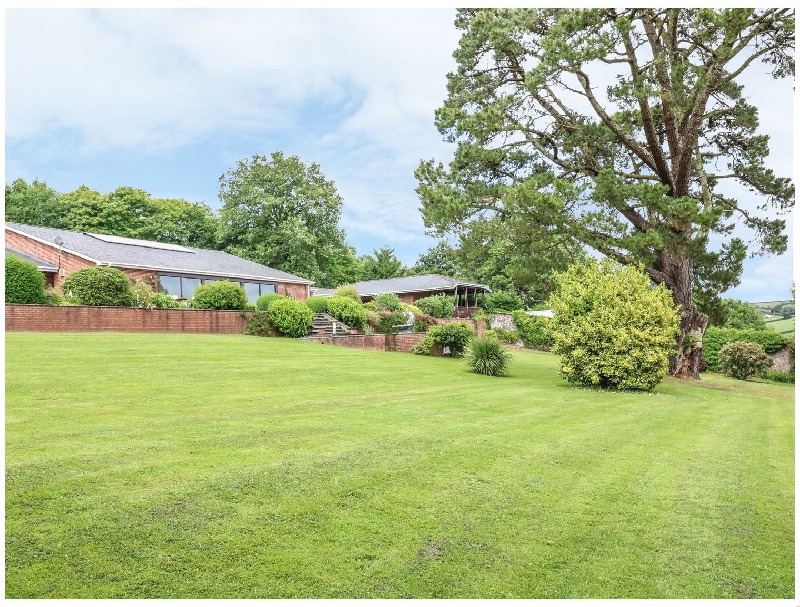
(265, 301)
(99, 286)
(24, 282)
(348, 311)
(317, 304)
(290, 317)
(715, 338)
(220, 295)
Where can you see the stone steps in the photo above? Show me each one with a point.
(327, 326)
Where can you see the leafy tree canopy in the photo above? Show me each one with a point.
(285, 214)
(616, 128)
(383, 263)
(740, 315)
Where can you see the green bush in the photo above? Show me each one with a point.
(780, 377)
(24, 282)
(349, 291)
(504, 336)
(259, 324)
(265, 301)
(99, 286)
(486, 356)
(347, 311)
(611, 328)
(389, 321)
(290, 317)
(534, 331)
(741, 359)
(455, 336)
(163, 301)
(141, 295)
(438, 306)
(500, 302)
(53, 298)
(715, 338)
(414, 309)
(388, 301)
(220, 295)
(317, 304)
(423, 322)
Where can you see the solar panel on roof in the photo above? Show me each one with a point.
(139, 243)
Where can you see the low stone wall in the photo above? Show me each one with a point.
(133, 320)
(782, 360)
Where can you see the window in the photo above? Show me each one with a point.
(188, 286)
(256, 289)
(183, 287)
(171, 285)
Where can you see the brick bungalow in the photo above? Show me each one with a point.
(411, 288)
(174, 269)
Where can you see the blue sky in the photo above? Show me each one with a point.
(168, 100)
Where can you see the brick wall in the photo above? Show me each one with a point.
(135, 320)
(386, 342)
(295, 291)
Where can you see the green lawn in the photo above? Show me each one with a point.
(192, 466)
(784, 326)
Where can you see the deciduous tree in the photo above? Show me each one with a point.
(283, 213)
(616, 128)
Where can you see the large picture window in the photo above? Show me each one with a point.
(183, 287)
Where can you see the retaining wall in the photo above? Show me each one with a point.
(133, 320)
(386, 342)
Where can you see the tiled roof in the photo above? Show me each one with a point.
(129, 253)
(41, 264)
(409, 284)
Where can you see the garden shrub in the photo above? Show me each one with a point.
(317, 304)
(389, 321)
(715, 338)
(740, 359)
(290, 317)
(220, 295)
(348, 311)
(438, 306)
(24, 282)
(388, 301)
(164, 301)
(504, 336)
(99, 286)
(486, 356)
(53, 298)
(780, 377)
(611, 328)
(414, 309)
(349, 291)
(534, 331)
(259, 324)
(455, 336)
(263, 303)
(372, 318)
(423, 322)
(141, 295)
(500, 302)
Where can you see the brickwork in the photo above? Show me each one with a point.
(134, 320)
(295, 291)
(385, 342)
(69, 263)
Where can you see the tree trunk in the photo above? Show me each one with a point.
(685, 363)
